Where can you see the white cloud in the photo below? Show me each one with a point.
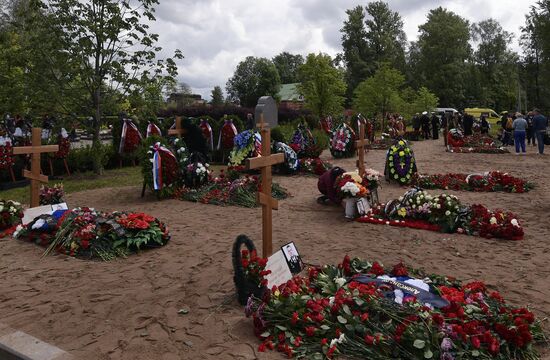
(215, 35)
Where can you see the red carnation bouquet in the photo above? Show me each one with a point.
(6, 155)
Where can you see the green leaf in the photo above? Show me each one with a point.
(341, 319)
(282, 328)
(419, 344)
(265, 334)
(325, 327)
(428, 354)
(346, 309)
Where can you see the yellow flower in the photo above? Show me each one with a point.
(402, 212)
(401, 142)
(401, 153)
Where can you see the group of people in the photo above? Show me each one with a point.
(425, 125)
(518, 128)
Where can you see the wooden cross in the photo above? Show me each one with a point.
(178, 131)
(34, 175)
(264, 162)
(360, 146)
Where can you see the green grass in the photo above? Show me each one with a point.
(83, 181)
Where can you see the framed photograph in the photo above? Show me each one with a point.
(292, 257)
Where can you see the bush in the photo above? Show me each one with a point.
(321, 138)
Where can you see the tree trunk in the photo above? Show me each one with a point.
(96, 142)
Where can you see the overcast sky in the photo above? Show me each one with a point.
(215, 35)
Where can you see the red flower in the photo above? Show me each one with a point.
(476, 343)
(295, 318)
(310, 330)
(399, 270)
(369, 339)
(376, 269)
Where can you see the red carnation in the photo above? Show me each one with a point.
(400, 270)
(376, 269)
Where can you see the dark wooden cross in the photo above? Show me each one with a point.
(264, 162)
(360, 145)
(178, 130)
(34, 175)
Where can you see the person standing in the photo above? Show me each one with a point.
(520, 128)
(540, 123)
(530, 133)
(468, 124)
(250, 123)
(484, 125)
(425, 120)
(435, 127)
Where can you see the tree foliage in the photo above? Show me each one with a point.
(217, 96)
(322, 85)
(287, 66)
(253, 78)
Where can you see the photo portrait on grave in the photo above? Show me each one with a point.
(292, 258)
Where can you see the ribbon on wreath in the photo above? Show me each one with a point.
(207, 133)
(225, 141)
(129, 132)
(153, 130)
(158, 151)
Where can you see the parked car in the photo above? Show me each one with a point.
(492, 116)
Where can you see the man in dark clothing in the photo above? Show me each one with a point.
(468, 124)
(250, 123)
(484, 125)
(425, 120)
(531, 136)
(540, 123)
(195, 141)
(435, 127)
(326, 185)
(416, 123)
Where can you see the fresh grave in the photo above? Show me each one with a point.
(173, 172)
(359, 309)
(420, 210)
(90, 234)
(352, 189)
(400, 163)
(476, 143)
(488, 182)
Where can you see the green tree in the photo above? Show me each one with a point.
(380, 93)
(355, 49)
(107, 46)
(287, 65)
(385, 36)
(444, 49)
(425, 100)
(496, 65)
(253, 78)
(322, 85)
(217, 96)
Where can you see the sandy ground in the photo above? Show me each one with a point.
(128, 309)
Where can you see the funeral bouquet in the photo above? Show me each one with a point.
(445, 213)
(314, 166)
(350, 185)
(362, 310)
(11, 213)
(161, 168)
(51, 195)
(247, 144)
(489, 181)
(476, 143)
(303, 143)
(130, 138)
(87, 233)
(6, 153)
(291, 163)
(228, 132)
(371, 179)
(342, 142)
(64, 145)
(196, 174)
(400, 163)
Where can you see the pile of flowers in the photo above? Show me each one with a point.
(247, 144)
(314, 166)
(196, 174)
(384, 143)
(351, 185)
(6, 153)
(51, 195)
(11, 213)
(342, 141)
(87, 233)
(476, 143)
(445, 213)
(229, 189)
(400, 163)
(360, 309)
(488, 182)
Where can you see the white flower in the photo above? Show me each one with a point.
(331, 300)
(447, 213)
(438, 206)
(514, 222)
(340, 282)
(493, 220)
(1, 208)
(351, 188)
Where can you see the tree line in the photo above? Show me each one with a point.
(453, 63)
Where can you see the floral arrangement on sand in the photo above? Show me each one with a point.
(445, 213)
(476, 143)
(51, 195)
(11, 213)
(362, 310)
(487, 182)
(87, 233)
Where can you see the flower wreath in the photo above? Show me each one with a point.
(130, 138)
(6, 153)
(64, 145)
(400, 163)
(302, 141)
(342, 141)
(207, 133)
(246, 144)
(228, 132)
(291, 163)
